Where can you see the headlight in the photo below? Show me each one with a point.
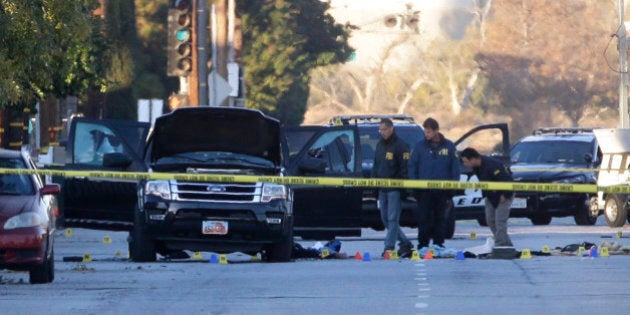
(571, 180)
(160, 188)
(22, 220)
(273, 191)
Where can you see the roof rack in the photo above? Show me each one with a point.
(347, 119)
(562, 130)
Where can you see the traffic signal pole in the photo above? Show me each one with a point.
(202, 53)
(193, 77)
(187, 54)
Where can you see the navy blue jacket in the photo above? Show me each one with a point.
(390, 158)
(434, 160)
(493, 170)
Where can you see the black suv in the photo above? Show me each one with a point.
(410, 132)
(491, 139)
(169, 215)
(556, 155)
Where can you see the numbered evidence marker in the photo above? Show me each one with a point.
(415, 255)
(473, 235)
(546, 249)
(196, 255)
(223, 260)
(87, 257)
(107, 240)
(526, 254)
(325, 253)
(68, 232)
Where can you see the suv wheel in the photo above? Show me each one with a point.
(281, 252)
(141, 246)
(615, 210)
(541, 219)
(449, 232)
(583, 215)
(482, 221)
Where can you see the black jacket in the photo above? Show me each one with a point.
(492, 170)
(391, 158)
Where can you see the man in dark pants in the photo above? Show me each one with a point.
(433, 158)
(390, 161)
(498, 203)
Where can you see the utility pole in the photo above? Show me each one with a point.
(202, 52)
(624, 121)
(193, 78)
(222, 40)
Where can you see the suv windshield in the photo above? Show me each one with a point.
(569, 152)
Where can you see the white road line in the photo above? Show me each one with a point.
(423, 288)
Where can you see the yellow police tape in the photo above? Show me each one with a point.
(332, 181)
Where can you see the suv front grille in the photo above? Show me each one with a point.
(216, 192)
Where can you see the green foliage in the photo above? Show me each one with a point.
(120, 59)
(47, 46)
(152, 82)
(283, 41)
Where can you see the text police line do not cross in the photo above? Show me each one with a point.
(333, 181)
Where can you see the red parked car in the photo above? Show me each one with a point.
(27, 220)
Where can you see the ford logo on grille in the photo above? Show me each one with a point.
(216, 188)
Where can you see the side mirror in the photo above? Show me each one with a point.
(588, 158)
(50, 189)
(116, 159)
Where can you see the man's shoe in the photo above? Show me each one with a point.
(405, 250)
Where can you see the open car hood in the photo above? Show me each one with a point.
(237, 130)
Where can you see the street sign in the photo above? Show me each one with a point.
(218, 89)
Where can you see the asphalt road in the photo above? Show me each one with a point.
(110, 284)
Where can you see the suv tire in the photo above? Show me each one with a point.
(449, 232)
(141, 246)
(482, 221)
(583, 214)
(540, 219)
(281, 252)
(615, 210)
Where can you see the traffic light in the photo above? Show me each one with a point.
(179, 51)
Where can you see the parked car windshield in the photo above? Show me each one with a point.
(14, 184)
(569, 152)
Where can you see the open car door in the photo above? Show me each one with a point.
(324, 212)
(492, 140)
(107, 145)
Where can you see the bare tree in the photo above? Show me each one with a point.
(562, 42)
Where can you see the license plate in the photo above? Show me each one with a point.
(519, 203)
(214, 227)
